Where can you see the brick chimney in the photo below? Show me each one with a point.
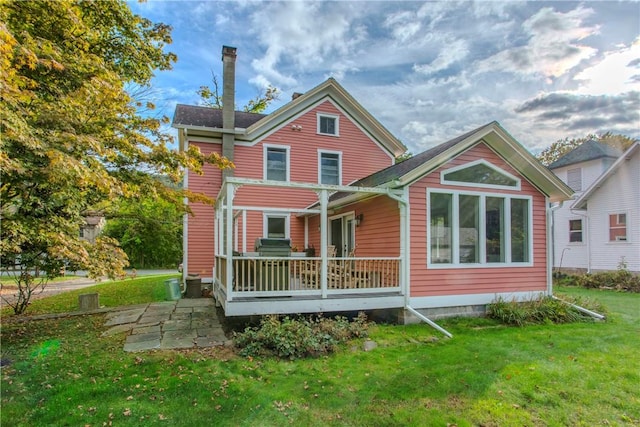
(228, 103)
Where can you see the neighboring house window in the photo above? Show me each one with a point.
(575, 230)
(81, 232)
(618, 227)
(276, 226)
(276, 163)
(479, 173)
(330, 168)
(327, 124)
(574, 179)
(477, 229)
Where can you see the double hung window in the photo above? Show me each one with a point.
(330, 168)
(276, 163)
(618, 227)
(575, 231)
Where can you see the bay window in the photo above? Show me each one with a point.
(478, 229)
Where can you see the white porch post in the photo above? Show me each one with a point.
(324, 200)
(404, 245)
(229, 239)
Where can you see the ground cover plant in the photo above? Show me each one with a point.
(111, 293)
(63, 372)
(545, 309)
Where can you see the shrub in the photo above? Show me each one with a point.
(541, 310)
(621, 280)
(299, 337)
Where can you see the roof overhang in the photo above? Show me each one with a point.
(503, 144)
(581, 202)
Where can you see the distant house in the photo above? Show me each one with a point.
(600, 229)
(92, 227)
(446, 231)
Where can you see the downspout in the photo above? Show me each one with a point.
(405, 273)
(593, 314)
(550, 244)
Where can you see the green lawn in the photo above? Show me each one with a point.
(63, 373)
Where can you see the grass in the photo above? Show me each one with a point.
(112, 294)
(64, 373)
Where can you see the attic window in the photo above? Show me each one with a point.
(479, 173)
(574, 179)
(327, 124)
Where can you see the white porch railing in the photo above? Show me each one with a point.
(291, 276)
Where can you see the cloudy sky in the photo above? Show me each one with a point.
(428, 71)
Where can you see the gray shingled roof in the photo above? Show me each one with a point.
(400, 169)
(193, 115)
(588, 150)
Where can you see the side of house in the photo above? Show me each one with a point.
(611, 206)
(594, 231)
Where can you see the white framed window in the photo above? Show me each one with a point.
(275, 226)
(328, 124)
(276, 162)
(575, 231)
(574, 179)
(474, 229)
(618, 227)
(329, 167)
(480, 173)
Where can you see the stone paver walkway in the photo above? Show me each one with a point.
(186, 323)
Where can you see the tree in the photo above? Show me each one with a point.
(148, 230)
(211, 97)
(72, 136)
(563, 146)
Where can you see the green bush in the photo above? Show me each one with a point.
(299, 337)
(542, 310)
(621, 280)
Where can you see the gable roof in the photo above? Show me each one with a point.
(588, 150)
(494, 136)
(207, 117)
(251, 127)
(581, 202)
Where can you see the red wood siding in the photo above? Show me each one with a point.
(200, 244)
(361, 156)
(434, 282)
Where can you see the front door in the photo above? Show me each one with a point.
(342, 234)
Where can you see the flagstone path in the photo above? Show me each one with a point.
(186, 323)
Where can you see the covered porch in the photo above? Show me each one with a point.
(334, 278)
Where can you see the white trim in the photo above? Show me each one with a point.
(320, 115)
(339, 154)
(481, 230)
(475, 184)
(265, 219)
(471, 299)
(287, 149)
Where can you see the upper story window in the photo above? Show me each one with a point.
(574, 179)
(330, 168)
(328, 124)
(479, 173)
(575, 230)
(276, 163)
(618, 227)
(479, 230)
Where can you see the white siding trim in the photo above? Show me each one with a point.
(471, 299)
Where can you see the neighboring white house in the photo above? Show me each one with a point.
(600, 228)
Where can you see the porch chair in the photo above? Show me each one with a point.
(354, 278)
(310, 271)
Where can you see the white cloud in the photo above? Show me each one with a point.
(614, 74)
(451, 52)
(552, 48)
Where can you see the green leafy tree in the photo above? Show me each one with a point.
(73, 137)
(210, 96)
(149, 231)
(563, 146)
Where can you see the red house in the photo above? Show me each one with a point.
(446, 231)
